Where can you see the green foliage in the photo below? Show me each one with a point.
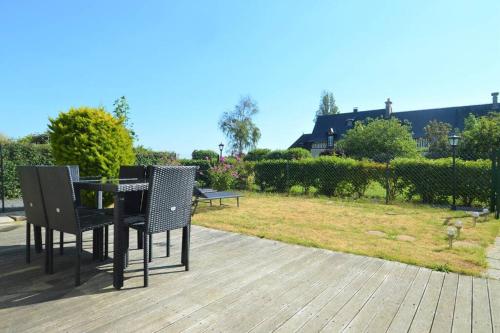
(205, 154)
(238, 126)
(202, 176)
(122, 112)
(480, 137)
(35, 138)
(437, 133)
(380, 140)
(222, 176)
(146, 156)
(432, 180)
(16, 154)
(92, 139)
(329, 175)
(4, 139)
(327, 105)
(257, 154)
(288, 154)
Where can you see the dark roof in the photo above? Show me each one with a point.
(418, 119)
(303, 141)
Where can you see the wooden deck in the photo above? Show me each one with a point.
(239, 284)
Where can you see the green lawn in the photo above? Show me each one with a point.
(414, 234)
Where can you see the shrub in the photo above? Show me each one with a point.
(145, 156)
(15, 154)
(257, 154)
(297, 154)
(92, 139)
(289, 154)
(222, 176)
(203, 154)
(202, 173)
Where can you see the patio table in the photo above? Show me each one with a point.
(118, 187)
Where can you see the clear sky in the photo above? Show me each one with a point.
(182, 63)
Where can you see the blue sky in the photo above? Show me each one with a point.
(181, 64)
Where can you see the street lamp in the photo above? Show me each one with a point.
(453, 140)
(221, 146)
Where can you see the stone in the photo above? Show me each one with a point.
(405, 238)
(376, 233)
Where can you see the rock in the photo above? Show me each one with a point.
(376, 233)
(405, 238)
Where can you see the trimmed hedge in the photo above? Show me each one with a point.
(202, 176)
(145, 156)
(204, 154)
(15, 154)
(431, 181)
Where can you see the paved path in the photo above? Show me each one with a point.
(494, 260)
(239, 283)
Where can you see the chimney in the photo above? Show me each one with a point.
(355, 109)
(495, 100)
(388, 108)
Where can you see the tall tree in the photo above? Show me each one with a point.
(327, 105)
(238, 125)
(481, 136)
(122, 112)
(436, 133)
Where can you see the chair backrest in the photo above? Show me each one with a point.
(133, 200)
(57, 192)
(74, 173)
(32, 195)
(169, 198)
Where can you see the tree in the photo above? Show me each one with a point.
(437, 133)
(4, 139)
(238, 126)
(122, 112)
(380, 140)
(481, 136)
(327, 105)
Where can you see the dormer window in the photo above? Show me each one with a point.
(329, 135)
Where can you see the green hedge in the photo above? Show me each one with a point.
(145, 156)
(202, 176)
(430, 181)
(15, 154)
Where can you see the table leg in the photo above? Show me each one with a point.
(118, 233)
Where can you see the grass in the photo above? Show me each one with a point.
(413, 234)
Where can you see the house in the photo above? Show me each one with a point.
(330, 128)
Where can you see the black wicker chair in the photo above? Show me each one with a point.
(62, 213)
(33, 206)
(169, 204)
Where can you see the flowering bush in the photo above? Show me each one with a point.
(223, 176)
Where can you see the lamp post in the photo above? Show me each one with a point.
(221, 146)
(453, 140)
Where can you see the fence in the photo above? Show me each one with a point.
(471, 183)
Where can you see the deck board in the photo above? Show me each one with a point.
(237, 283)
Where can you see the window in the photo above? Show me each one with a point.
(330, 141)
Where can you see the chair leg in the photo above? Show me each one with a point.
(78, 257)
(61, 242)
(101, 244)
(106, 242)
(185, 246)
(28, 242)
(38, 238)
(127, 234)
(139, 240)
(95, 249)
(168, 243)
(47, 252)
(50, 249)
(146, 257)
(150, 247)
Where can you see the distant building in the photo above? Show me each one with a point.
(330, 128)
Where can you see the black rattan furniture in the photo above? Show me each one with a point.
(33, 206)
(168, 207)
(119, 187)
(62, 213)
